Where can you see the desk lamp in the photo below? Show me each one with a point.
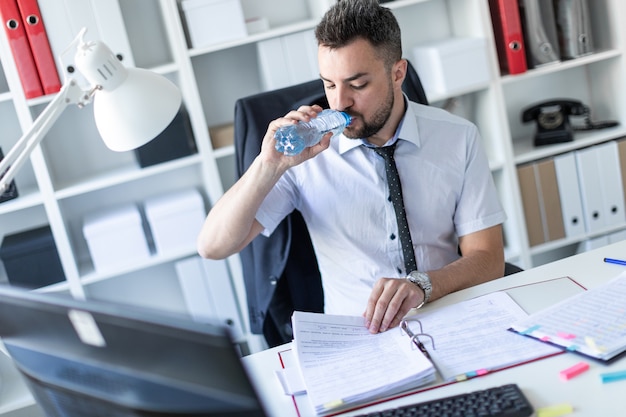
(131, 105)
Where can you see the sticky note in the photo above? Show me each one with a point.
(591, 344)
(555, 410)
(572, 371)
(613, 376)
(531, 329)
(565, 335)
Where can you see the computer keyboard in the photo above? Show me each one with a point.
(503, 401)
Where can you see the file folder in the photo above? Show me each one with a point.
(20, 48)
(507, 31)
(590, 190)
(621, 151)
(540, 36)
(541, 202)
(569, 194)
(611, 182)
(287, 60)
(208, 292)
(531, 204)
(551, 210)
(573, 28)
(39, 46)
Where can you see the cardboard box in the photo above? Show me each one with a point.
(213, 21)
(31, 259)
(175, 220)
(116, 237)
(223, 135)
(452, 65)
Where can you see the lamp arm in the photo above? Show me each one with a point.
(70, 93)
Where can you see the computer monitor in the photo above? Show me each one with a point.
(88, 358)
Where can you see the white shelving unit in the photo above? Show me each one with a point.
(72, 173)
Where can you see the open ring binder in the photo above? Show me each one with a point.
(406, 328)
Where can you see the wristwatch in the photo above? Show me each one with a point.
(422, 280)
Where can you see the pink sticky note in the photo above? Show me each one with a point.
(567, 336)
(572, 371)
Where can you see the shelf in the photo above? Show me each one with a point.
(283, 30)
(252, 39)
(560, 66)
(124, 175)
(525, 151)
(25, 199)
(560, 243)
(89, 276)
(7, 96)
(224, 151)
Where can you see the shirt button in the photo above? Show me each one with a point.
(392, 237)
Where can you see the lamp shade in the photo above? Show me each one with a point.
(131, 105)
(136, 111)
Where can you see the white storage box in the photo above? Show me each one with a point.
(452, 65)
(116, 237)
(175, 220)
(213, 21)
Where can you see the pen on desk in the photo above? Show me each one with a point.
(614, 261)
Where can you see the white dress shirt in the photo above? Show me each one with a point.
(342, 194)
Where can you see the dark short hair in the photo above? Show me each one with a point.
(348, 20)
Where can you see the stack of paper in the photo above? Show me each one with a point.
(592, 323)
(344, 365)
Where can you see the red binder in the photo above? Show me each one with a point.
(39, 45)
(20, 48)
(507, 30)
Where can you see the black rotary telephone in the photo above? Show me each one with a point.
(553, 120)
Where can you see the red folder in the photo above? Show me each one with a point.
(39, 45)
(507, 30)
(20, 48)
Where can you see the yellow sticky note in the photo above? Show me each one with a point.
(555, 410)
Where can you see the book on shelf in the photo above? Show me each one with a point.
(343, 366)
(592, 323)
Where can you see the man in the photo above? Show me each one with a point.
(340, 186)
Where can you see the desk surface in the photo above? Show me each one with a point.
(539, 380)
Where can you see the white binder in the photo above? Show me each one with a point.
(274, 72)
(288, 60)
(195, 290)
(590, 190)
(569, 193)
(64, 19)
(221, 288)
(208, 292)
(611, 183)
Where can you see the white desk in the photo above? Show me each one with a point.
(539, 380)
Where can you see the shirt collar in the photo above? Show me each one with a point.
(407, 130)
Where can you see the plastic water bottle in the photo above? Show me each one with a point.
(292, 139)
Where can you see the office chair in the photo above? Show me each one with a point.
(280, 271)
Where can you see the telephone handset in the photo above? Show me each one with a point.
(553, 120)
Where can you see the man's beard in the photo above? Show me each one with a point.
(378, 120)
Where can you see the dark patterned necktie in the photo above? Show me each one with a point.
(395, 195)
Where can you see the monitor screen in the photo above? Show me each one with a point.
(86, 358)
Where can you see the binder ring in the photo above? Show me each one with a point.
(406, 329)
